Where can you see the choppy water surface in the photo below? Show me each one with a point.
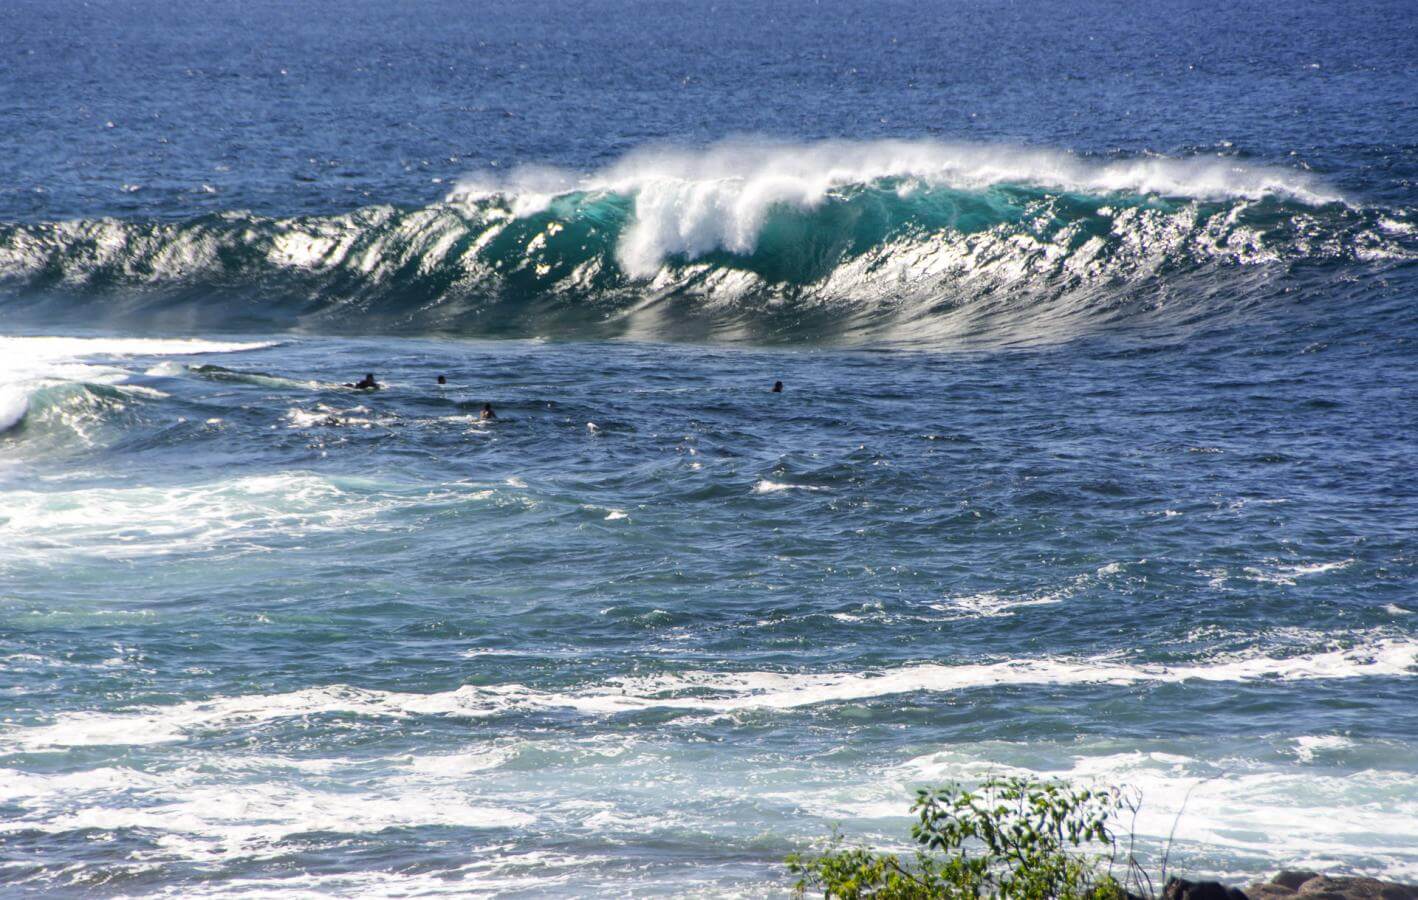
(1094, 457)
(655, 622)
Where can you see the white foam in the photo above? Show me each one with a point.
(722, 692)
(764, 486)
(204, 813)
(1307, 746)
(254, 513)
(14, 403)
(28, 364)
(992, 604)
(501, 871)
(690, 202)
(1287, 574)
(356, 416)
(1290, 815)
(460, 763)
(1300, 571)
(24, 354)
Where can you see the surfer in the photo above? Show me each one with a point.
(777, 387)
(442, 379)
(487, 412)
(367, 383)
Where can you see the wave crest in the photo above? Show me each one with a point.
(801, 242)
(688, 204)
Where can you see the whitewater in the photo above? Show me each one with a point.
(345, 577)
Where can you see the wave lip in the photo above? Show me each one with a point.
(691, 203)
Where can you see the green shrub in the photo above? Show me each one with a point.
(1010, 838)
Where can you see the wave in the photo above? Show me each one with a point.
(204, 816)
(689, 205)
(712, 692)
(1245, 800)
(796, 241)
(66, 388)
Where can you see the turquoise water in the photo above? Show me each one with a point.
(1094, 457)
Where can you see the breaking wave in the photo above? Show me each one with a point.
(884, 238)
(712, 692)
(61, 392)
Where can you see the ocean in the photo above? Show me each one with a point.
(1097, 325)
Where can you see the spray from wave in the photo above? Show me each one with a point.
(869, 239)
(690, 205)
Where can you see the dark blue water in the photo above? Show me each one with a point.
(1097, 327)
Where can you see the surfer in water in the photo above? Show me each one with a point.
(487, 412)
(367, 383)
(777, 387)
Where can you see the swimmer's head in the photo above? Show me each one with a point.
(442, 379)
(777, 387)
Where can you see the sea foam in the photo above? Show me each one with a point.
(703, 691)
(14, 403)
(1293, 815)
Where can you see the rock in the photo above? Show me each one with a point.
(1312, 886)
(1293, 878)
(1181, 889)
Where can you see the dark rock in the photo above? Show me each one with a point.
(1310, 886)
(1358, 889)
(1181, 889)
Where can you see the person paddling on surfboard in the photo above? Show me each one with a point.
(367, 383)
(487, 412)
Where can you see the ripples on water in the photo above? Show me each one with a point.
(655, 622)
